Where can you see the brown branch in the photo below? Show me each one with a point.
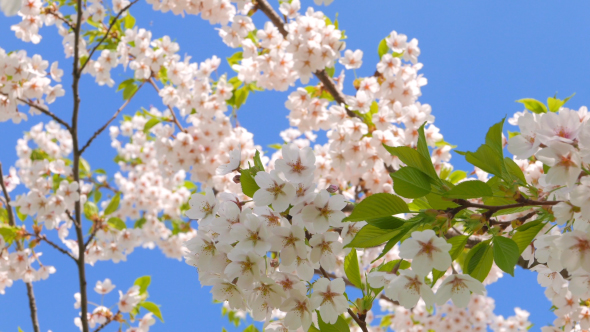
(42, 110)
(113, 22)
(61, 18)
(76, 73)
(109, 320)
(30, 293)
(57, 247)
(101, 129)
(321, 75)
(356, 318)
(151, 81)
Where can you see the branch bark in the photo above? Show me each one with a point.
(30, 292)
(321, 75)
(151, 80)
(42, 110)
(101, 129)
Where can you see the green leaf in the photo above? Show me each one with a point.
(533, 105)
(413, 158)
(410, 182)
(258, 162)
(129, 21)
(526, 233)
(90, 210)
(8, 233)
(235, 58)
(129, 91)
(506, 253)
(330, 71)
(340, 326)
(139, 222)
(352, 270)
(153, 308)
(479, 260)
(143, 283)
(437, 202)
(554, 104)
(469, 189)
(487, 159)
(148, 125)
(395, 239)
(494, 137)
(382, 48)
(387, 222)
(388, 267)
(312, 328)
(249, 186)
(240, 95)
(371, 236)
(457, 176)
(116, 223)
(378, 206)
(113, 204)
(422, 146)
(514, 170)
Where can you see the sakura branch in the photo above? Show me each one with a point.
(29, 285)
(101, 129)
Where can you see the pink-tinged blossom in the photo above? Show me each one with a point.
(427, 251)
(575, 250)
(297, 164)
(328, 297)
(273, 190)
(564, 161)
(458, 288)
(408, 288)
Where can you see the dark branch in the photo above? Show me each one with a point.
(101, 129)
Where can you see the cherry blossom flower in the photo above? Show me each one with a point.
(273, 190)
(328, 296)
(458, 288)
(297, 164)
(427, 251)
(408, 288)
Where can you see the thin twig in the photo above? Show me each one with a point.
(53, 244)
(61, 18)
(19, 246)
(326, 80)
(356, 318)
(109, 320)
(170, 108)
(101, 129)
(113, 22)
(42, 110)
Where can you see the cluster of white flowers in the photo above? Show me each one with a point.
(560, 141)
(24, 79)
(127, 302)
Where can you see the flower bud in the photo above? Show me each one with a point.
(332, 189)
(236, 179)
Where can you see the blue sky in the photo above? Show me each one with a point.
(479, 57)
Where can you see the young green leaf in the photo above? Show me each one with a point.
(387, 222)
(383, 48)
(153, 308)
(370, 236)
(377, 206)
(116, 223)
(249, 186)
(143, 283)
(479, 260)
(410, 182)
(468, 190)
(533, 105)
(352, 270)
(413, 158)
(113, 204)
(90, 210)
(506, 253)
(526, 233)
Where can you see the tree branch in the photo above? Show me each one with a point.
(76, 73)
(326, 80)
(109, 320)
(170, 108)
(30, 293)
(113, 22)
(101, 129)
(354, 316)
(53, 244)
(42, 110)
